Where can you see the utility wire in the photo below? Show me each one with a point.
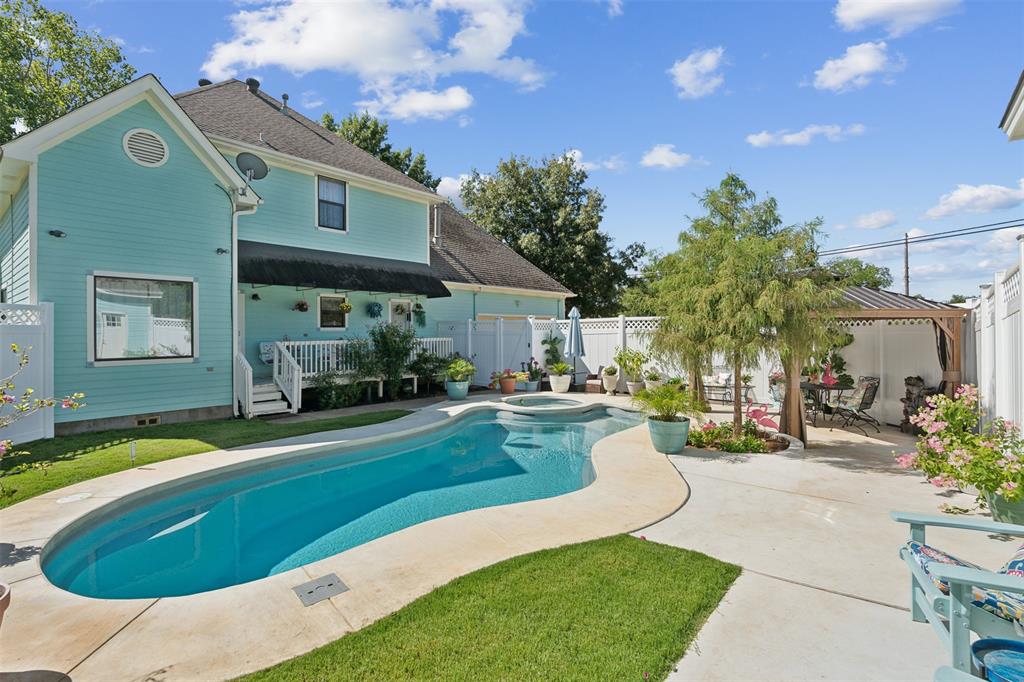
(920, 239)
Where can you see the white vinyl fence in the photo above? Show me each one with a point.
(31, 327)
(998, 343)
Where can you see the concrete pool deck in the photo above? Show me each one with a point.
(239, 629)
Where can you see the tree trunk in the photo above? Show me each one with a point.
(792, 415)
(737, 397)
(697, 388)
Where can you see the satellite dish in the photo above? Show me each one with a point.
(252, 166)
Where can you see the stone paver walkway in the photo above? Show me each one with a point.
(823, 594)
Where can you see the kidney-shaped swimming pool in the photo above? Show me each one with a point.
(265, 518)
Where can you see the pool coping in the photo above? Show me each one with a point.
(242, 628)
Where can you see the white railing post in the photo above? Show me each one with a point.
(1019, 350)
(499, 342)
(622, 345)
(469, 339)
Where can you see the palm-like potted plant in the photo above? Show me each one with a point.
(458, 373)
(610, 379)
(632, 363)
(559, 377)
(652, 379)
(668, 416)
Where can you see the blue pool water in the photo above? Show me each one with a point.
(268, 518)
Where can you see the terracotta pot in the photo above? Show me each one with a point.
(508, 385)
(609, 381)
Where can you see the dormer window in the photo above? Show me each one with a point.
(331, 204)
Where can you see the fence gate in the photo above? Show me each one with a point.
(491, 345)
(31, 327)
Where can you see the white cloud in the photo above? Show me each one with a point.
(1005, 241)
(450, 187)
(698, 75)
(857, 67)
(876, 220)
(311, 99)
(412, 104)
(666, 156)
(615, 8)
(614, 162)
(977, 199)
(398, 51)
(801, 138)
(897, 17)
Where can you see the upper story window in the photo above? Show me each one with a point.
(137, 318)
(331, 211)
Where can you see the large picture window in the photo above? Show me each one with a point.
(142, 319)
(331, 204)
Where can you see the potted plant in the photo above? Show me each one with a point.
(345, 307)
(632, 363)
(301, 306)
(374, 309)
(419, 315)
(559, 377)
(610, 379)
(533, 375)
(506, 380)
(552, 349)
(955, 451)
(667, 418)
(458, 373)
(652, 379)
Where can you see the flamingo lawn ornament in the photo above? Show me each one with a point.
(759, 413)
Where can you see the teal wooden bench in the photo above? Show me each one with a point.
(957, 597)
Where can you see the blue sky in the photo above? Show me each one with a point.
(879, 117)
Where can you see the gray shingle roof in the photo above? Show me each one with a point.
(469, 254)
(229, 110)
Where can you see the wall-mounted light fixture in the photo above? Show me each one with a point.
(59, 234)
(221, 251)
(255, 297)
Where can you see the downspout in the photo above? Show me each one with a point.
(234, 287)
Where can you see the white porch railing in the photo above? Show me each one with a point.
(338, 355)
(243, 385)
(288, 376)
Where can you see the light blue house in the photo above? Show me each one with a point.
(182, 289)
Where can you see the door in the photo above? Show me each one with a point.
(113, 336)
(400, 312)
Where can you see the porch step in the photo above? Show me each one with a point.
(269, 407)
(265, 393)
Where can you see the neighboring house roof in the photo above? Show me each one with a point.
(230, 110)
(1012, 122)
(865, 298)
(468, 254)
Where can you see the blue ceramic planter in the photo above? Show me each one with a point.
(457, 390)
(532, 386)
(669, 437)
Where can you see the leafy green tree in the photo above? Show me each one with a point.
(957, 298)
(546, 212)
(855, 272)
(370, 134)
(639, 297)
(48, 66)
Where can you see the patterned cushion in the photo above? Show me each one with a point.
(1015, 566)
(1003, 604)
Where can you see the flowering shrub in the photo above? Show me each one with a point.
(955, 452)
(712, 436)
(14, 407)
(532, 370)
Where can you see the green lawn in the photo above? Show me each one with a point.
(620, 608)
(71, 459)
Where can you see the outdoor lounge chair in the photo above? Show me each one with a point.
(852, 410)
(957, 597)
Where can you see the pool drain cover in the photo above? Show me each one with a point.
(319, 589)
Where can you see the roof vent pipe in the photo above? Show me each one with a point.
(203, 82)
(284, 105)
(253, 85)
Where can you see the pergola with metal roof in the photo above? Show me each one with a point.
(877, 304)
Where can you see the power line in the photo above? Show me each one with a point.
(924, 238)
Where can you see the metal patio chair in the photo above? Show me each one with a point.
(852, 410)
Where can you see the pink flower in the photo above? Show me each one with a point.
(935, 427)
(907, 460)
(942, 482)
(935, 444)
(1008, 487)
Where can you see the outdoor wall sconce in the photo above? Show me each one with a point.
(255, 297)
(221, 251)
(59, 234)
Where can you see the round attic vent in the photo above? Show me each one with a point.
(145, 147)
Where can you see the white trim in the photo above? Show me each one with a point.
(316, 204)
(462, 286)
(318, 318)
(27, 147)
(298, 164)
(90, 320)
(1014, 123)
(147, 131)
(33, 234)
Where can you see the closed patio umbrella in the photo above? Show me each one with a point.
(574, 339)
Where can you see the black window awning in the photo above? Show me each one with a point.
(260, 263)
